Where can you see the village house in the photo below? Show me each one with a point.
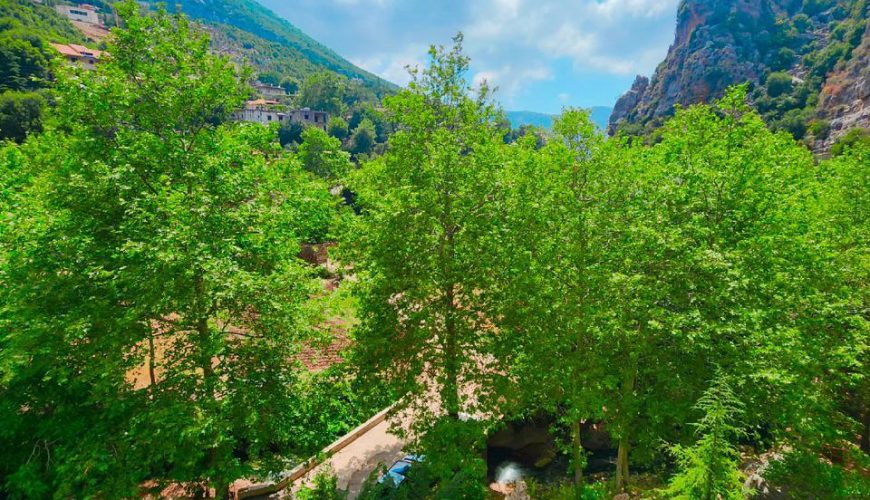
(264, 111)
(268, 91)
(309, 118)
(84, 13)
(79, 55)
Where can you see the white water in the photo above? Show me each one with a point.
(509, 472)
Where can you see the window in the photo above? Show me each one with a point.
(306, 117)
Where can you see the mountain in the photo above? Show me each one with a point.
(28, 17)
(805, 61)
(599, 115)
(248, 31)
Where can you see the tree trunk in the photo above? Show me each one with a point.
(622, 464)
(151, 354)
(451, 365)
(865, 435)
(624, 444)
(578, 456)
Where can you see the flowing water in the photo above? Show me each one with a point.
(509, 472)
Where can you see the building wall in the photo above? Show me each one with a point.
(78, 14)
(266, 91)
(258, 115)
(310, 118)
(88, 63)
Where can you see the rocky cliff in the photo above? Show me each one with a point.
(790, 51)
(845, 98)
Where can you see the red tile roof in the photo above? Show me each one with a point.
(73, 50)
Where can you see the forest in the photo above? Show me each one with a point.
(704, 298)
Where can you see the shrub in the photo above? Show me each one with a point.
(325, 487)
(778, 83)
(851, 139)
(811, 477)
(20, 115)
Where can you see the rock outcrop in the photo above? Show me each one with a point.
(845, 98)
(722, 43)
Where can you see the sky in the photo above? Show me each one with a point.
(541, 54)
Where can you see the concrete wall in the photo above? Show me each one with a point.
(77, 13)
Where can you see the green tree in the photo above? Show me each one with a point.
(324, 91)
(565, 216)
(420, 248)
(712, 276)
(363, 138)
(151, 300)
(322, 155)
(778, 83)
(20, 114)
(24, 61)
(709, 469)
(337, 128)
(290, 133)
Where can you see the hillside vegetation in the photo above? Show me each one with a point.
(268, 42)
(26, 17)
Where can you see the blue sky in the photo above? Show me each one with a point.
(542, 54)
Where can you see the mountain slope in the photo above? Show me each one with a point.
(262, 38)
(28, 17)
(599, 115)
(786, 49)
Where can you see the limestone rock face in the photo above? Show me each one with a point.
(713, 48)
(723, 43)
(845, 98)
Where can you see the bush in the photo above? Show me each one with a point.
(813, 7)
(820, 129)
(566, 491)
(290, 133)
(778, 83)
(853, 138)
(20, 115)
(812, 477)
(783, 58)
(322, 155)
(325, 487)
(337, 128)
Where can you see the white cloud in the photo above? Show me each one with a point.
(513, 44)
(393, 66)
(610, 36)
(510, 79)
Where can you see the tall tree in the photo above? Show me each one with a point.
(152, 301)
(421, 244)
(716, 278)
(565, 211)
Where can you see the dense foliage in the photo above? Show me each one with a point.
(608, 281)
(702, 300)
(270, 42)
(152, 302)
(26, 28)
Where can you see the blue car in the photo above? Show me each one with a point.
(399, 470)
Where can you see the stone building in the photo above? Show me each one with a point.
(309, 117)
(84, 13)
(263, 111)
